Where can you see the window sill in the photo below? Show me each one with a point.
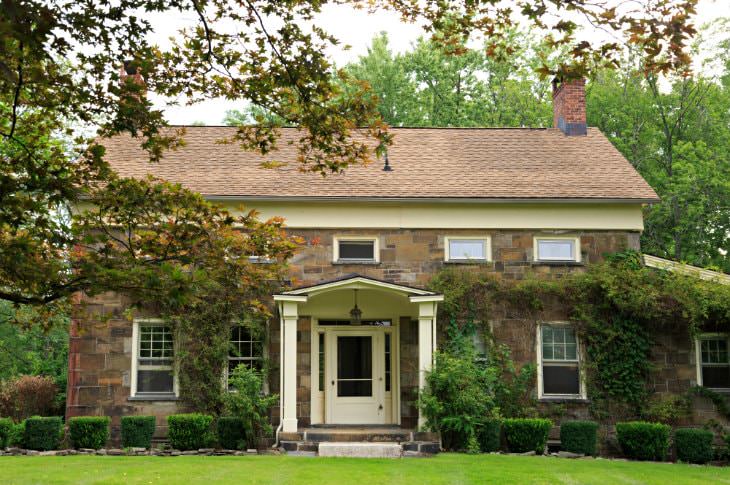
(558, 263)
(153, 397)
(468, 261)
(560, 399)
(358, 262)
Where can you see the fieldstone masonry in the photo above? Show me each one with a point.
(100, 345)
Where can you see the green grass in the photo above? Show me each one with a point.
(282, 470)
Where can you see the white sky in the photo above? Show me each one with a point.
(355, 28)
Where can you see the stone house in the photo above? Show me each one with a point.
(354, 337)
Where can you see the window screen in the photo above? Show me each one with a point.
(715, 363)
(357, 250)
(154, 360)
(556, 249)
(560, 369)
(467, 249)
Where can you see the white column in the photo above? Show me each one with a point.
(426, 346)
(289, 315)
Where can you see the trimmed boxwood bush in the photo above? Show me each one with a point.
(15, 437)
(42, 434)
(489, 435)
(694, 445)
(6, 427)
(137, 431)
(89, 431)
(189, 431)
(231, 433)
(640, 440)
(579, 437)
(525, 435)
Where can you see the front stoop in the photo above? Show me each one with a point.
(361, 450)
(361, 442)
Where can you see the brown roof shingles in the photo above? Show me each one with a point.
(474, 163)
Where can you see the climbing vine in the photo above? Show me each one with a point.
(616, 307)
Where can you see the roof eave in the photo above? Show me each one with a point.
(454, 200)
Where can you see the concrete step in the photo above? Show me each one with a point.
(322, 436)
(360, 450)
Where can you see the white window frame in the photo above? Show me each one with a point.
(698, 354)
(576, 248)
(135, 360)
(246, 359)
(487, 249)
(336, 249)
(578, 352)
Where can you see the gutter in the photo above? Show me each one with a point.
(451, 200)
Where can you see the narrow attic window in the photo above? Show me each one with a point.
(355, 250)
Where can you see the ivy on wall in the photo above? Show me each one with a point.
(615, 305)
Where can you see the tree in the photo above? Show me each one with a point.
(59, 76)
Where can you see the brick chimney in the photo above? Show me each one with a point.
(130, 69)
(569, 106)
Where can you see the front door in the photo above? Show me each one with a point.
(356, 387)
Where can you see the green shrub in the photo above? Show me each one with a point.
(489, 435)
(43, 434)
(640, 440)
(89, 431)
(458, 398)
(6, 427)
(137, 431)
(249, 404)
(231, 433)
(15, 437)
(526, 434)
(579, 437)
(189, 431)
(694, 445)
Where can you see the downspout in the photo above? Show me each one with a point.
(281, 376)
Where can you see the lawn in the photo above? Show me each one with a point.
(284, 470)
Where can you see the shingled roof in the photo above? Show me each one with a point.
(428, 163)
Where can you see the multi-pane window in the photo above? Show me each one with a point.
(560, 361)
(244, 349)
(467, 249)
(715, 362)
(557, 249)
(155, 360)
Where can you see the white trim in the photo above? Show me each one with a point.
(581, 377)
(487, 248)
(576, 247)
(336, 240)
(294, 298)
(423, 298)
(135, 358)
(698, 354)
(350, 283)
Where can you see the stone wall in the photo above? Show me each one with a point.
(100, 357)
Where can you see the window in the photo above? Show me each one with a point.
(558, 355)
(557, 249)
(713, 361)
(321, 360)
(466, 249)
(152, 372)
(244, 349)
(355, 250)
(387, 361)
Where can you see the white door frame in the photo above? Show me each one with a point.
(322, 401)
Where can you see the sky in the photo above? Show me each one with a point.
(355, 28)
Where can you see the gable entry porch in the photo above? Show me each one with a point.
(371, 343)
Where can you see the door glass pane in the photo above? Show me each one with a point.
(555, 249)
(387, 362)
(467, 249)
(354, 366)
(321, 362)
(357, 250)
